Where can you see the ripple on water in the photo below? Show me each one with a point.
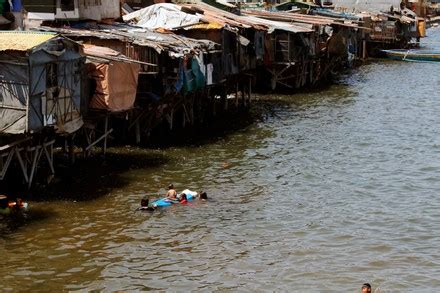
(322, 192)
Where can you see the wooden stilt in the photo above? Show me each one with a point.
(169, 117)
(35, 155)
(249, 93)
(104, 147)
(225, 100)
(49, 154)
(243, 95)
(236, 95)
(99, 139)
(72, 149)
(22, 163)
(364, 49)
(214, 107)
(191, 109)
(184, 116)
(5, 163)
(138, 132)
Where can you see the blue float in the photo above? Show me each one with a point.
(164, 202)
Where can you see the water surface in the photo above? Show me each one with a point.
(325, 190)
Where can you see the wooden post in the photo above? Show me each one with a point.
(71, 149)
(243, 94)
(191, 109)
(236, 95)
(36, 159)
(249, 92)
(184, 114)
(104, 148)
(225, 99)
(170, 117)
(49, 154)
(214, 108)
(23, 164)
(138, 132)
(364, 49)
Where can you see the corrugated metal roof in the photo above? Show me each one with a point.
(279, 25)
(22, 40)
(213, 14)
(174, 44)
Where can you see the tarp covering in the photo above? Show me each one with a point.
(163, 15)
(116, 81)
(173, 45)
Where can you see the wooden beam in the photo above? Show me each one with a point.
(138, 131)
(5, 147)
(23, 165)
(99, 139)
(5, 165)
(104, 148)
(36, 159)
(49, 155)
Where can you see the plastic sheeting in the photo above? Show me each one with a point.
(164, 15)
(116, 85)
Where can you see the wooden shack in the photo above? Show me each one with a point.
(40, 83)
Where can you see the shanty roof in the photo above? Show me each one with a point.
(187, 16)
(106, 54)
(278, 25)
(23, 40)
(212, 14)
(301, 18)
(171, 43)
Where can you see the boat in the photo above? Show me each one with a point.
(413, 55)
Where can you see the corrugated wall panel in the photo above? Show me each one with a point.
(367, 5)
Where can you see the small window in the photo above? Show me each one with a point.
(67, 5)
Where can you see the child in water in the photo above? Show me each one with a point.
(145, 204)
(172, 193)
(183, 199)
(8, 206)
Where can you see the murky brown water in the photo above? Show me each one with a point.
(324, 191)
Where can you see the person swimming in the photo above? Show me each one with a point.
(202, 196)
(145, 204)
(366, 288)
(7, 206)
(172, 193)
(197, 195)
(183, 199)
